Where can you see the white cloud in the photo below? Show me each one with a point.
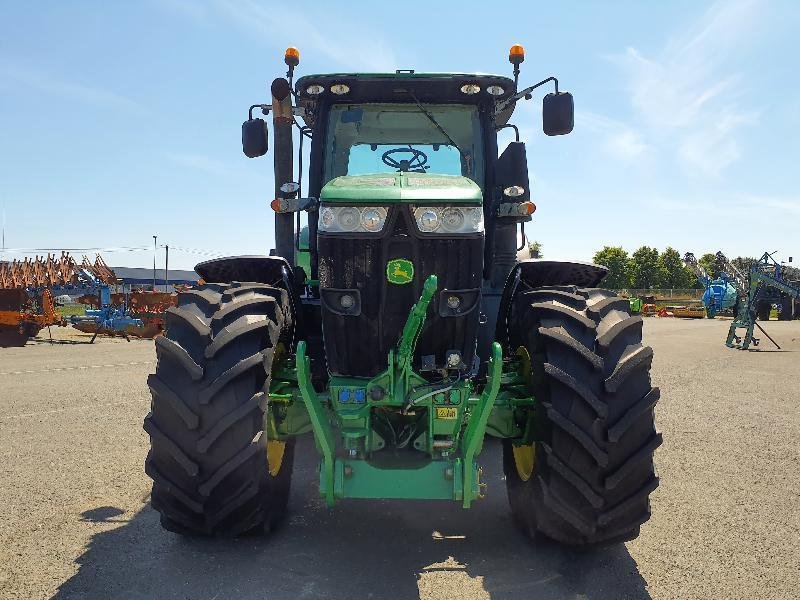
(714, 147)
(620, 140)
(54, 86)
(626, 145)
(686, 98)
(340, 41)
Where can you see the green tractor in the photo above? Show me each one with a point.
(399, 327)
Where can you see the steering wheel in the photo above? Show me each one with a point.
(415, 164)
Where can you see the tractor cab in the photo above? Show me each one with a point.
(404, 170)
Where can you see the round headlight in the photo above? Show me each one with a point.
(372, 218)
(470, 88)
(326, 217)
(348, 219)
(314, 89)
(453, 302)
(475, 219)
(340, 88)
(427, 219)
(347, 301)
(513, 191)
(452, 219)
(495, 90)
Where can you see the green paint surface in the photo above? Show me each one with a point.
(387, 188)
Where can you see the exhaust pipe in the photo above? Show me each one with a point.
(284, 168)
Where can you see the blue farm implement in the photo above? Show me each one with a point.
(109, 320)
(720, 292)
(744, 294)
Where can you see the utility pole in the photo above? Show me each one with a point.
(155, 251)
(3, 254)
(166, 270)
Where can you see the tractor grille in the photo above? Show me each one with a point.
(357, 345)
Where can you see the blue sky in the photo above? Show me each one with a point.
(121, 120)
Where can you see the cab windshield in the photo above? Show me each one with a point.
(389, 138)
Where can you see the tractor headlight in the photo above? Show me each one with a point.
(340, 219)
(449, 219)
(348, 219)
(428, 219)
(314, 89)
(373, 218)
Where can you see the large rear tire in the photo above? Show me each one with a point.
(208, 449)
(588, 477)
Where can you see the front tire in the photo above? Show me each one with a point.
(587, 478)
(209, 452)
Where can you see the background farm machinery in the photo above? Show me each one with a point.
(720, 290)
(138, 313)
(651, 306)
(26, 297)
(24, 314)
(766, 279)
(746, 296)
(28, 286)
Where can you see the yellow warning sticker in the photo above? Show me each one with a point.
(446, 413)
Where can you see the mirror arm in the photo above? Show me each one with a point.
(297, 111)
(526, 93)
(265, 108)
(514, 127)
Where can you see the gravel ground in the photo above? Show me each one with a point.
(75, 520)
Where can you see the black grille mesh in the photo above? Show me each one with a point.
(358, 345)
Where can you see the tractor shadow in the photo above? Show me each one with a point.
(379, 549)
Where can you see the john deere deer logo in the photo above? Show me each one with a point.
(399, 271)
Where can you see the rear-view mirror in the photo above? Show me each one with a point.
(254, 138)
(558, 113)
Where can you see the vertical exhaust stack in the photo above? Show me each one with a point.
(284, 168)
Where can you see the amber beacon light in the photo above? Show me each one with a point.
(292, 56)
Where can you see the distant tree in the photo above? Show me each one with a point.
(672, 273)
(616, 259)
(535, 248)
(709, 263)
(743, 264)
(644, 269)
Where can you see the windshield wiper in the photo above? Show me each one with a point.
(439, 127)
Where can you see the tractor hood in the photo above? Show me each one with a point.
(390, 188)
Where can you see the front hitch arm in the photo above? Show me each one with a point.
(400, 358)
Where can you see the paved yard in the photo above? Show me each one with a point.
(75, 520)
